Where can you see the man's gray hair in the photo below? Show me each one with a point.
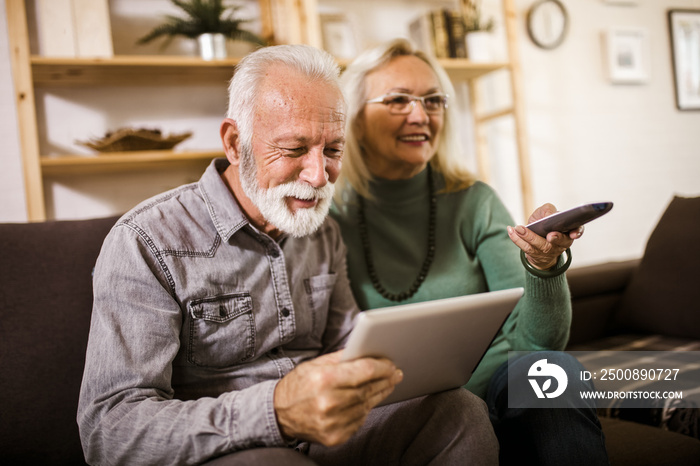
(250, 72)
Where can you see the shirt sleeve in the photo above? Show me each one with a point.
(542, 318)
(127, 412)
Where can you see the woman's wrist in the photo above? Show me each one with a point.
(551, 273)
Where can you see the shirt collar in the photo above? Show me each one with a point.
(225, 213)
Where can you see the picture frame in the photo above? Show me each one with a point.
(627, 55)
(684, 30)
(339, 36)
(547, 23)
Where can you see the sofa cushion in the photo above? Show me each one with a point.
(596, 292)
(45, 308)
(664, 293)
(634, 444)
(679, 416)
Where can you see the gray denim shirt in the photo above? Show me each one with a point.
(196, 317)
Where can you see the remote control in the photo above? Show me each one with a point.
(568, 220)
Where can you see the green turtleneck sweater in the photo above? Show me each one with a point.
(473, 255)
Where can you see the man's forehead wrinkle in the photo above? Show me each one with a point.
(292, 111)
(337, 116)
(298, 111)
(286, 83)
(297, 137)
(290, 98)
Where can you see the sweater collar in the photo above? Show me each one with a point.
(400, 191)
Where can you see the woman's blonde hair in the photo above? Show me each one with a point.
(449, 159)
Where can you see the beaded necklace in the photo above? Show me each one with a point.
(362, 224)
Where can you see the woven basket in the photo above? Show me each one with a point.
(129, 139)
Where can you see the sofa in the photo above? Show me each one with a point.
(647, 304)
(45, 307)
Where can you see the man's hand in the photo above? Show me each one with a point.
(326, 400)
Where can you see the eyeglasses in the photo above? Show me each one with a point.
(403, 104)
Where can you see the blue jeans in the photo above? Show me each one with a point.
(544, 436)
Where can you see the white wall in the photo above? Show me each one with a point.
(593, 140)
(590, 140)
(12, 200)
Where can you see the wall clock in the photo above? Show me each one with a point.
(547, 23)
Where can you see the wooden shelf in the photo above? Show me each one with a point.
(460, 69)
(122, 161)
(300, 22)
(130, 70)
(162, 70)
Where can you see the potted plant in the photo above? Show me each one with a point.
(211, 22)
(477, 30)
(473, 21)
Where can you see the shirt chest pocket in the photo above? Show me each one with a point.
(319, 290)
(222, 330)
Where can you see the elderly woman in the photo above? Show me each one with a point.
(418, 226)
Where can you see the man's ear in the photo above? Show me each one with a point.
(230, 138)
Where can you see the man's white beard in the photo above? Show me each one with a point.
(272, 204)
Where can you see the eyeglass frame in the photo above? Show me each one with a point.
(414, 98)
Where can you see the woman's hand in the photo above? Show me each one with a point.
(541, 252)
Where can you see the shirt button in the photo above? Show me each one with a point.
(274, 253)
(285, 312)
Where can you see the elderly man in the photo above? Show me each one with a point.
(219, 307)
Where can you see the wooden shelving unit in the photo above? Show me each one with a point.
(122, 161)
(135, 70)
(32, 72)
(157, 70)
(305, 29)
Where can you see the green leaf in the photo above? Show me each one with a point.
(203, 16)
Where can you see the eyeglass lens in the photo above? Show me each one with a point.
(404, 103)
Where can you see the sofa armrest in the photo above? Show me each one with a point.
(45, 311)
(596, 291)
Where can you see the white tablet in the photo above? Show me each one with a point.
(437, 344)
